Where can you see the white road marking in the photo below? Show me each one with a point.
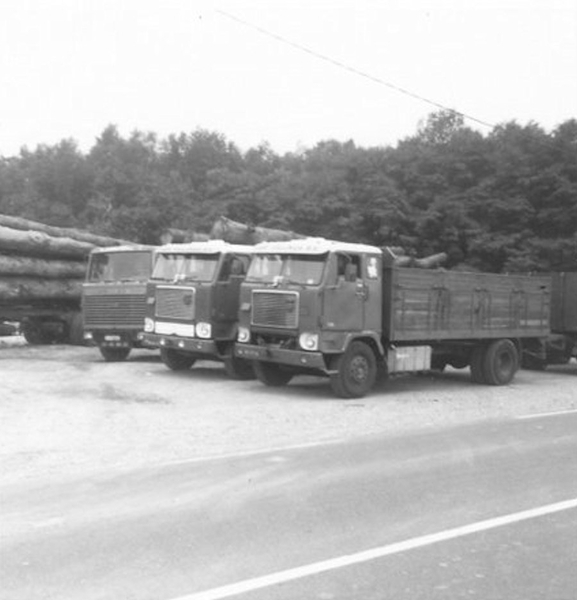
(553, 413)
(256, 583)
(246, 453)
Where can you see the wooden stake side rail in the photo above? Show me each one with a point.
(439, 305)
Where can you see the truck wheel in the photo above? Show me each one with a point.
(501, 362)
(271, 374)
(111, 354)
(75, 330)
(477, 360)
(238, 368)
(175, 360)
(35, 332)
(357, 371)
(458, 362)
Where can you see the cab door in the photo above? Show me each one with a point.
(345, 294)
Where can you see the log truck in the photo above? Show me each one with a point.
(347, 312)
(114, 299)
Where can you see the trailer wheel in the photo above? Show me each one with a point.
(271, 374)
(112, 354)
(175, 360)
(356, 371)
(238, 368)
(501, 362)
(477, 361)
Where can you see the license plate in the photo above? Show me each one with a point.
(112, 338)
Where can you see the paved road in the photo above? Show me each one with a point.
(481, 511)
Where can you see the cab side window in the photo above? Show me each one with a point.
(348, 267)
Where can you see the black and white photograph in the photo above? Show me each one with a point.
(288, 300)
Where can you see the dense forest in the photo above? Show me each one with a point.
(502, 201)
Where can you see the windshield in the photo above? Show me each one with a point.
(119, 266)
(185, 267)
(291, 268)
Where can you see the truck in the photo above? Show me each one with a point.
(561, 345)
(192, 304)
(42, 269)
(347, 312)
(114, 299)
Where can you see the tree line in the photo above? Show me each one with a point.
(504, 201)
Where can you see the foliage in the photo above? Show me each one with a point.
(504, 201)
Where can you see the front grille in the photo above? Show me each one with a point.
(175, 302)
(275, 309)
(118, 311)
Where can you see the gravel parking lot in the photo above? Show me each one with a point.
(64, 412)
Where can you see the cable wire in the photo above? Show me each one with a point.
(351, 69)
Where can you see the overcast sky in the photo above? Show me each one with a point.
(68, 68)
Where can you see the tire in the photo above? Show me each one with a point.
(356, 371)
(238, 368)
(501, 362)
(438, 363)
(75, 330)
(35, 333)
(271, 374)
(459, 362)
(112, 354)
(175, 360)
(477, 360)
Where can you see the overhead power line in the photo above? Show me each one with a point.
(351, 69)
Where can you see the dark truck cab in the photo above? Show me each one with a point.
(192, 304)
(348, 312)
(114, 299)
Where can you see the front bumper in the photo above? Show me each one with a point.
(124, 338)
(281, 356)
(192, 345)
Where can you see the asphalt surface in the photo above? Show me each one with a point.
(379, 517)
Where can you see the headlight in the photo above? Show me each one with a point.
(148, 325)
(309, 341)
(203, 330)
(150, 300)
(243, 335)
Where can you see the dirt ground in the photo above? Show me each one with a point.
(64, 412)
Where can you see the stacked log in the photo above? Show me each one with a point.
(238, 233)
(40, 262)
(182, 236)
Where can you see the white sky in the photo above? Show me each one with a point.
(68, 68)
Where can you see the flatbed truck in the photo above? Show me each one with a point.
(347, 312)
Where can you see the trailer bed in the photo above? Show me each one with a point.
(427, 305)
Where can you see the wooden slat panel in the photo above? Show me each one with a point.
(424, 305)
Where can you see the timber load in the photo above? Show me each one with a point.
(40, 262)
(182, 236)
(234, 232)
(238, 233)
(41, 273)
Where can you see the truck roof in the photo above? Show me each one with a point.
(124, 248)
(209, 247)
(313, 246)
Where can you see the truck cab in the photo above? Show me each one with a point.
(114, 299)
(192, 304)
(302, 304)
